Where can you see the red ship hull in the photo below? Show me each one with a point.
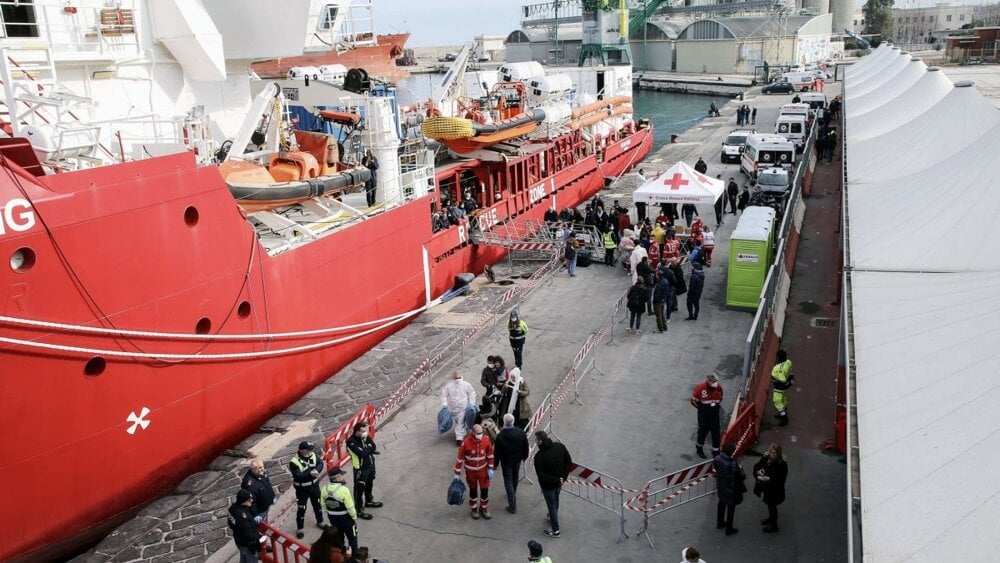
(378, 60)
(122, 244)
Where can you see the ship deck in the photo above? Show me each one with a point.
(636, 423)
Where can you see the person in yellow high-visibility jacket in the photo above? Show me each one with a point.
(339, 503)
(781, 380)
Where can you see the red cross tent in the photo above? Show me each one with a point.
(680, 184)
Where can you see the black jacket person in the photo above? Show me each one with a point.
(306, 468)
(363, 452)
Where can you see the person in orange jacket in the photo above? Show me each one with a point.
(476, 455)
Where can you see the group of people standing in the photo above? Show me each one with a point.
(746, 115)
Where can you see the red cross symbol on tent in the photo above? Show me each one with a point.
(676, 181)
(701, 178)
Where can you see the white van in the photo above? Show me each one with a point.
(816, 100)
(763, 151)
(793, 128)
(802, 109)
(802, 81)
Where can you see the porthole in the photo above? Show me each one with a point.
(243, 310)
(204, 326)
(95, 366)
(22, 260)
(191, 216)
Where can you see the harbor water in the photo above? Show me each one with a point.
(670, 113)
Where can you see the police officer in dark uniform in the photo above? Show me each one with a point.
(258, 483)
(241, 521)
(306, 468)
(363, 452)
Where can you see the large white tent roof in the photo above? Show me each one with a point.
(900, 83)
(885, 75)
(923, 285)
(961, 117)
(873, 70)
(873, 57)
(924, 93)
(927, 350)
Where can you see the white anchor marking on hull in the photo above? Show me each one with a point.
(137, 420)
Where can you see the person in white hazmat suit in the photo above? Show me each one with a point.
(456, 396)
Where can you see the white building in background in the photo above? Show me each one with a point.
(915, 25)
(490, 47)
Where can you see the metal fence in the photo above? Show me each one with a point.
(599, 489)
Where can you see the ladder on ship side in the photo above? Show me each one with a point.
(525, 240)
(37, 106)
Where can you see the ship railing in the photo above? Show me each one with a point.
(77, 30)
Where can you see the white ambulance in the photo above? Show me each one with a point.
(764, 151)
(793, 127)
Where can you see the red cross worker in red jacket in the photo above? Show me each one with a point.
(476, 455)
(707, 398)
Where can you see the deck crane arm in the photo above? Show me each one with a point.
(452, 84)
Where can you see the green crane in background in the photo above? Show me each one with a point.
(640, 14)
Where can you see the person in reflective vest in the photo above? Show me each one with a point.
(707, 398)
(609, 247)
(518, 330)
(535, 553)
(781, 380)
(363, 452)
(306, 467)
(339, 503)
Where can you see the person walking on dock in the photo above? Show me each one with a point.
(510, 450)
(720, 205)
(661, 297)
(689, 211)
(535, 552)
(456, 396)
(781, 380)
(571, 250)
(700, 166)
(363, 452)
(514, 398)
(730, 486)
(753, 116)
(732, 193)
(770, 473)
(518, 332)
(244, 527)
(610, 244)
(695, 286)
(744, 200)
(636, 303)
(340, 507)
(476, 456)
(552, 466)
(707, 398)
(306, 467)
(258, 483)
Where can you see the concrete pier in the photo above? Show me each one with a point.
(633, 421)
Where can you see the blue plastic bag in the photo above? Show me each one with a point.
(471, 412)
(456, 492)
(444, 420)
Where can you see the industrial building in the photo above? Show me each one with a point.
(695, 37)
(916, 25)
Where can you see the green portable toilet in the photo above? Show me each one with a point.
(764, 216)
(749, 260)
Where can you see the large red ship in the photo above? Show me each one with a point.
(151, 319)
(378, 59)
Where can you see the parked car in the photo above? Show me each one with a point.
(773, 181)
(778, 88)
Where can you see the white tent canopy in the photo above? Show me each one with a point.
(873, 70)
(872, 58)
(923, 290)
(680, 184)
(884, 76)
(959, 119)
(863, 103)
(909, 105)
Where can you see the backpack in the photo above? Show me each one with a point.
(702, 256)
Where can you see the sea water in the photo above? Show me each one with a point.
(670, 113)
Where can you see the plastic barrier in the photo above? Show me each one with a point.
(335, 454)
(599, 489)
(284, 548)
(671, 490)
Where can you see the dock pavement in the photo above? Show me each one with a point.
(633, 421)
